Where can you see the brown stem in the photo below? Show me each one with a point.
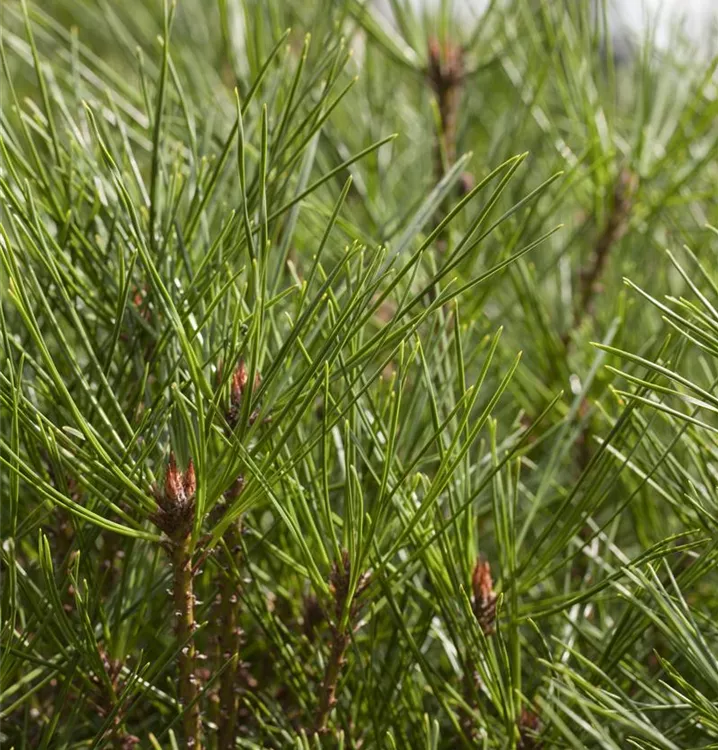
(327, 697)
(446, 74)
(467, 722)
(589, 281)
(229, 642)
(341, 629)
(117, 736)
(613, 231)
(185, 626)
(175, 517)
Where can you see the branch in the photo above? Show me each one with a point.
(175, 518)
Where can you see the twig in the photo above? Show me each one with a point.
(590, 276)
(339, 581)
(445, 73)
(341, 634)
(176, 517)
(327, 698)
(229, 642)
(184, 611)
(484, 607)
(229, 638)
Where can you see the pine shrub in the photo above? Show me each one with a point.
(326, 416)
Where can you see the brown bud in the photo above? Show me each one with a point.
(529, 727)
(239, 382)
(176, 512)
(189, 480)
(138, 295)
(445, 67)
(482, 587)
(434, 58)
(174, 489)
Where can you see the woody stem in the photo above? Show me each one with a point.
(327, 697)
(185, 626)
(229, 649)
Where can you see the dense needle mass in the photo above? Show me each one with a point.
(355, 400)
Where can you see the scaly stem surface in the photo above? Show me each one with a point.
(341, 629)
(229, 641)
(327, 697)
(613, 230)
(184, 612)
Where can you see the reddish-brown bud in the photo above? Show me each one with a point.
(434, 54)
(529, 725)
(446, 65)
(189, 480)
(174, 489)
(482, 587)
(239, 382)
(176, 512)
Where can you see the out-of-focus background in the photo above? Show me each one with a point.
(665, 21)
(695, 19)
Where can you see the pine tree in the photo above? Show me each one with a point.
(358, 380)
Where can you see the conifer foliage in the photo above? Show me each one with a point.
(358, 389)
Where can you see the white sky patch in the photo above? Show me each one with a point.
(696, 20)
